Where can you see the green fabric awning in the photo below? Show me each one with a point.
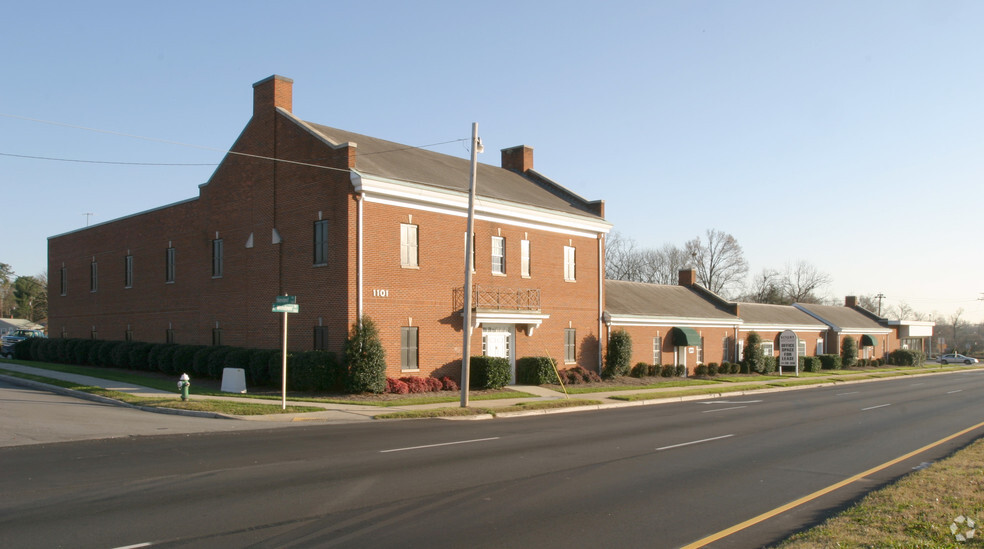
(685, 337)
(868, 341)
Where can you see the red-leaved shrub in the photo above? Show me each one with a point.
(396, 386)
(449, 384)
(434, 384)
(416, 384)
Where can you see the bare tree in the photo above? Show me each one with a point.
(621, 258)
(662, 266)
(767, 287)
(719, 261)
(803, 281)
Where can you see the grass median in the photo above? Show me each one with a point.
(457, 412)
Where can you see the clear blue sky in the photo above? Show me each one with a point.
(847, 134)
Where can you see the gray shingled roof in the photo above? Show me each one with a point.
(404, 163)
(760, 313)
(637, 298)
(845, 318)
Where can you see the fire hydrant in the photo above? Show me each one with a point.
(184, 382)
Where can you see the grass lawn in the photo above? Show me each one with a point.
(454, 412)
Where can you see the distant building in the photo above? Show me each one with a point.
(351, 225)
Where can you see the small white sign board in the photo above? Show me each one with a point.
(233, 380)
(788, 355)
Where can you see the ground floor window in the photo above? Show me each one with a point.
(657, 350)
(320, 338)
(570, 344)
(768, 348)
(408, 348)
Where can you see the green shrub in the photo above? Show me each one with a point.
(139, 356)
(830, 362)
(43, 349)
(810, 363)
(700, 370)
(680, 370)
(106, 352)
(313, 371)
(906, 357)
(655, 369)
(849, 352)
(488, 372)
(259, 367)
(22, 349)
(183, 359)
(712, 369)
(365, 359)
(216, 361)
(668, 370)
(82, 350)
(164, 359)
(769, 364)
(63, 351)
(618, 355)
(535, 370)
(641, 369)
(753, 359)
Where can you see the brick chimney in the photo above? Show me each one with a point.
(518, 159)
(272, 92)
(851, 301)
(688, 277)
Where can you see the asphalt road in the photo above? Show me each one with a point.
(648, 476)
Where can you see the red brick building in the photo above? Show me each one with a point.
(350, 225)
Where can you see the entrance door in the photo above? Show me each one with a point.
(497, 341)
(681, 356)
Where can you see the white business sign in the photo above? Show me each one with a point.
(788, 346)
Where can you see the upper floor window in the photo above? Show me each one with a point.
(321, 242)
(63, 280)
(169, 257)
(569, 268)
(128, 271)
(408, 245)
(217, 258)
(93, 276)
(524, 258)
(498, 255)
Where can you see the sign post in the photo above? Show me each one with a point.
(284, 304)
(788, 355)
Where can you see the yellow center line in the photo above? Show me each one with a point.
(769, 514)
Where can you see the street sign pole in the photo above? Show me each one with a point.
(283, 369)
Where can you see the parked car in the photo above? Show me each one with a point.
(8, 341)
(957, 359)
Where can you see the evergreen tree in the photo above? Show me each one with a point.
(365, 359)
(849, 352)
(618, 355)
(753, 360)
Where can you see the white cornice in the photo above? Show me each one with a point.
(781, 327)
(669, 321)
(425, 197)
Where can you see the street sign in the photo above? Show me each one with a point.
(285, 300)
(286, 308)
(788, 347)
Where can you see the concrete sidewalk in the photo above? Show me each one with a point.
(336, 412)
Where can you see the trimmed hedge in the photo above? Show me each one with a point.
(810, 363)
(830, 362)
(641, 369)
(489, 372)
(535, 370)
(906, 357)
(618, 355)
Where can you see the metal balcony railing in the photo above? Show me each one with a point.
(500, 298)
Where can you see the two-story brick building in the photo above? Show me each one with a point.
(351, 225)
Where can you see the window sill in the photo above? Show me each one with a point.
(410, 371)
(411, 267)
(498, 274)
(569, 280)
(320, 265)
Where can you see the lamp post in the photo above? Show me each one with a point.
(476, 147)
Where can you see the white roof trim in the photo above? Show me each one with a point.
(669, 321)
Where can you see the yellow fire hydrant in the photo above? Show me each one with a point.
(184, 382)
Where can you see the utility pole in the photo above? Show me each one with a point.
(879, 297)
(87, 216)
(476, 147)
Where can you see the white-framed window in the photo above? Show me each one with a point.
(819, 347)
(700, 351)
(768, 348)
(321, 242)
(741, 349)
(570, 345)
(801, 347)
(498, 255)
(217, 258)
(524, 258)
(408, 348)
(128, 271)
(725, 349)
(657, 350)
(409, 246)
(569, 264)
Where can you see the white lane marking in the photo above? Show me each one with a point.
(436, 445)
(145, 544)
(729, 401)
(957, 391)
(873, 407)
(723, 409)
(851, 393)
(693, 442)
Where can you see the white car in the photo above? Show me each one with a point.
(957, 359)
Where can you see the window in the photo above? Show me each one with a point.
(169, 265)
(93, 334)
(741, 349)
(321, 242)
(408, 246)
(524, 258)
(128, 336)
(498, 255)
(408, 348)
(725, 349)
(63, 280)
(169, 336)
(128, 271)
(768, 348)
(217, 258)
(569, 270)
(819, 347)
(700, 351)
(657, 350)
(93, 276)
(800, 347)
(570, 345)
(320, 338)
(216, 336)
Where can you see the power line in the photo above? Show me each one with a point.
(103, 161)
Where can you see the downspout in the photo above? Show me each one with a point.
(359, 199)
